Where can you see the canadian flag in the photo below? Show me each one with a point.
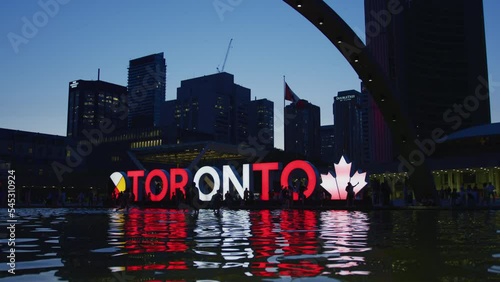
(291, 96)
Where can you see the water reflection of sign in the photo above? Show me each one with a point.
(345, 98)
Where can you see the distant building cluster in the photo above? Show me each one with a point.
(435, 59)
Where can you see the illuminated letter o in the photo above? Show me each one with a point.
(215, 173)
(308, 168)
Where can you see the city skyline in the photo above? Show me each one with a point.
(263, 51)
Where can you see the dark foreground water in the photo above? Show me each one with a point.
(277, 245)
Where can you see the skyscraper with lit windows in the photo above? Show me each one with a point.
(93, 102)
(261, 122)
(212, 107)
(349, 127)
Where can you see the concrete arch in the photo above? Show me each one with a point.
(326, 20)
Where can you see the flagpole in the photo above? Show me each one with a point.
(284, 91)
(284, 114)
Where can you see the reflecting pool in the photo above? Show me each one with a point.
(266, 245)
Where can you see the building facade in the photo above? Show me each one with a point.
(328, 144)
(434, 54)
(212, 107)
(146, 90)
(347, 115)
(92, 103)
(261, 122)
(302, 130)
(32, 156)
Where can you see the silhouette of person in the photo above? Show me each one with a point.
(194, 198)
(350, 194)
(246, 195)
(217, 202)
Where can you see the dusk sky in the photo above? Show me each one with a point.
(270, 40)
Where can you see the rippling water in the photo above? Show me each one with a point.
(268, 245)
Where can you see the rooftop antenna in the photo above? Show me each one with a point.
(98, 74)
(225, 58)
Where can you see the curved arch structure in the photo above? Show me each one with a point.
(355, 52)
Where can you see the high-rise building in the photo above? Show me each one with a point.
(434, 54)
(213, 106)
(328, 144)
(302, 130)
(146, 88)
(347, 115)
(261, 122)
(93, 103)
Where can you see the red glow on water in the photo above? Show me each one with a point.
(177, 265)
(155, 267)
(292, 233)
(135, 267)
(297, 228)
(301, 268)
(155, 232)
(172, 265)
(262, 228)
(177, 232)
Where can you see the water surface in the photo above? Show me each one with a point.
(267, 245)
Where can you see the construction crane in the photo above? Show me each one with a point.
(225, 58)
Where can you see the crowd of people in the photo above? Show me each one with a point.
(59, 198)
(470, 196)
(376, 194)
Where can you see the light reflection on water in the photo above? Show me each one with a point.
(270, 245)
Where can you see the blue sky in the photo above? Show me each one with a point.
(270, 40)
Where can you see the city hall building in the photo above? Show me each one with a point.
(467, 157)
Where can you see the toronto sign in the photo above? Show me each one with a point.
(334, 182)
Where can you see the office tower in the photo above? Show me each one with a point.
(261, 122)
(302, 130)
(213, 106)
(146, 88)
(347, 114)
(328, 144)
(95, 103)
(434, 54)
